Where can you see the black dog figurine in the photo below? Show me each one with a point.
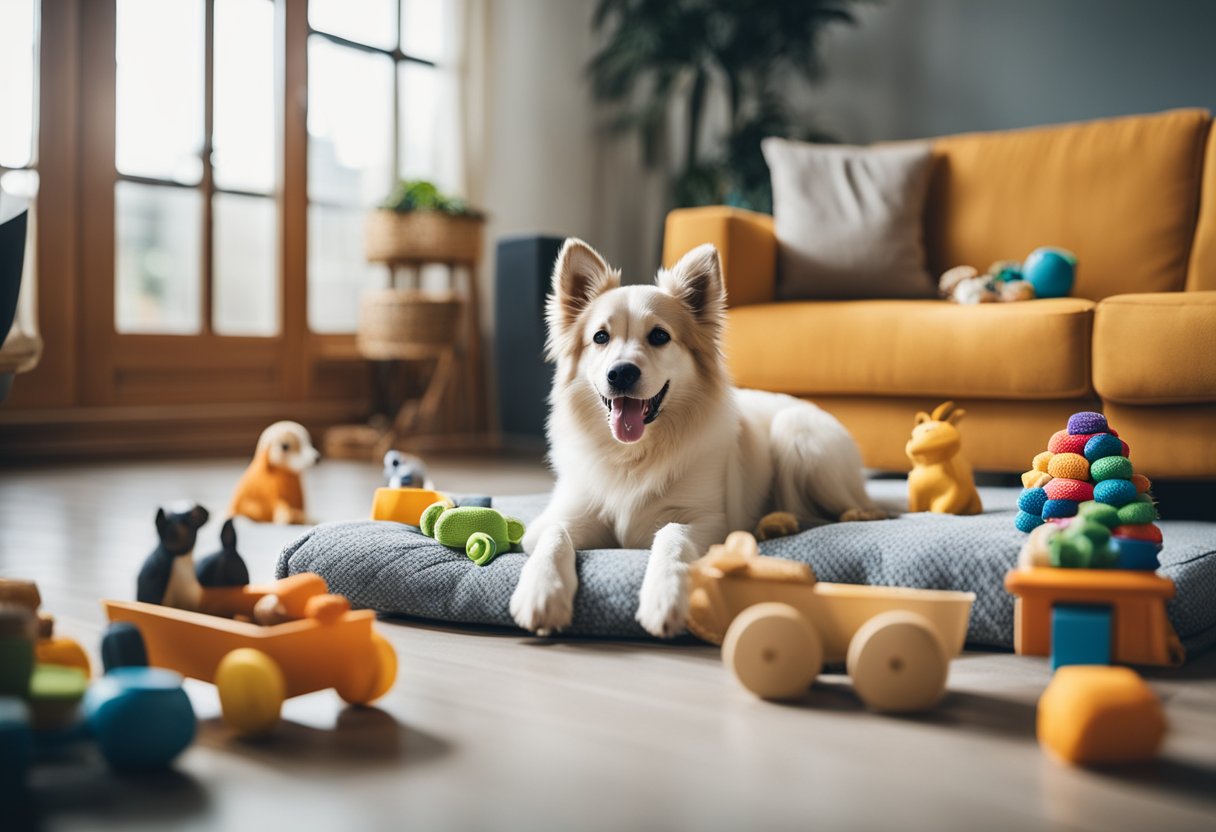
(167, 576)
(225, 567)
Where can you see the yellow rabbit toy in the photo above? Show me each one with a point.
(941, 480)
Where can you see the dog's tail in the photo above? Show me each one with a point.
(818, 469)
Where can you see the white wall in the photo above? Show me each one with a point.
(546, 165)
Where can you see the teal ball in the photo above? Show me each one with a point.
(1102, 445)
(1115, 492)
(140, 717)
(1027, 522)
(1032, 501)
(1051, 272)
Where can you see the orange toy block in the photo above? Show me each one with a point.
(1142, 631)
(1093, 715)
(405, 505)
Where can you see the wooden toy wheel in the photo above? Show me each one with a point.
(375, 676)
(898, 663)
(252, 690)
(773, 651)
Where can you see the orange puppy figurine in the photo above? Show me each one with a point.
(270, 490)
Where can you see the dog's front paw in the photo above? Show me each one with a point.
(663, 601)
(542, 601)
(859, 515)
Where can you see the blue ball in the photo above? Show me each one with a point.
(1101, 446)
(1027, 522)
(140, 717)
(1115, 493)
(1032, 500)
(1051, 271)
(1053, 509)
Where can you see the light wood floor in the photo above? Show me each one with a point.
(497, 730)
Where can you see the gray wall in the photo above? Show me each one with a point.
(917, 68)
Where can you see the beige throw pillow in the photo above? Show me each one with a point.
(849, 220)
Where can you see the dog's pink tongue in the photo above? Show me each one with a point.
(627, 419)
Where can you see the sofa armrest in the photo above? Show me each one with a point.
(1152, 349)
(745, 241)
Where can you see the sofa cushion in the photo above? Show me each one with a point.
(1202, 273)
(1036, 349)
(849, 220)
(1156, 348)
(1122, 194)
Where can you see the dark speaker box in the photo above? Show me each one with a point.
(523, 266)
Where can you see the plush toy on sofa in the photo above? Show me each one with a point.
(941, 480)
(1046, 273)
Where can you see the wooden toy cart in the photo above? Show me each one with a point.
(778, 626)
(1141, 632)
(275, 662)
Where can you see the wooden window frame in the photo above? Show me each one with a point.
(98, 392)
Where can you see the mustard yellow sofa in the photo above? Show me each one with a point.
(1134, 198)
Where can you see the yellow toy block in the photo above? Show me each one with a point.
(405, 505)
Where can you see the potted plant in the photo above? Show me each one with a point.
(418, 223)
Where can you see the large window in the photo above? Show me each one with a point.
(203, 170)
(18, 97)
(194, 210)
(358, 144)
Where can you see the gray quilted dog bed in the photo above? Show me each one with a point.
(392, 568)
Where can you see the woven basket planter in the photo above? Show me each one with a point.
(420, 236)
(403, 324)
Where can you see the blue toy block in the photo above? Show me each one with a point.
(1136, 554)
(1080, 634)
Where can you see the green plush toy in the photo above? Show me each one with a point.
(482, 532)
(1085, 544)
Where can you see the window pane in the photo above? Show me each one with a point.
(427, 132)
(425, 25)
(350, 124)
(156, 258)
(367, 21)
(17, 39)
(244, 95)
(246, 289)
(159, 118)
(337, 272)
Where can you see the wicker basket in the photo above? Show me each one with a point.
(420, 236)
(401, 324)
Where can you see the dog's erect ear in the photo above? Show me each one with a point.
(697, 281)
(162, 522)
(579, 276)
(228, 535)
(199, 517)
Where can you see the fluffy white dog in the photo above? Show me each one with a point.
(654, 448)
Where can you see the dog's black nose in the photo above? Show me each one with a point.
(623, 376)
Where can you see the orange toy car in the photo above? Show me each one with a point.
(256, 667)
